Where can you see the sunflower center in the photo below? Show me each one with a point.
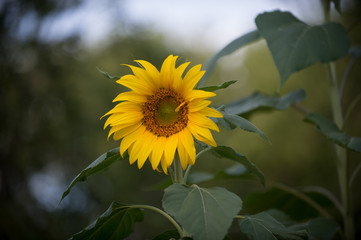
(165, 113)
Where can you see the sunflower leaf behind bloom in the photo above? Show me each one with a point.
(107, 74)
(231, 154)
(102, 162)
(162, 114)
(221, 86)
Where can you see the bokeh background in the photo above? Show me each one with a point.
(52, 96)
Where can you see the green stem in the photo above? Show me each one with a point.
(175, 224)
(351, 107)
(342, 161)
(354, 174)
(190, 166)
(178, 171)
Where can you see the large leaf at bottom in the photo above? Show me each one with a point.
(229, 153)
(205, 213)
(295, 45)
(102, 162)
(332, 132)
(264, 226)
(115, 223)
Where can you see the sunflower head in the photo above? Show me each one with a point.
(161, 114)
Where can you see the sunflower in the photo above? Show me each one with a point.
(161, 114)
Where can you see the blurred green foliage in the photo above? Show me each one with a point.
(51, 99)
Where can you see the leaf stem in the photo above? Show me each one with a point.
(351, 107)
(346, 75)
(304, 197)
(190, 166)
(354, 174)
(301, 108)
(327, 194)
(175, 224)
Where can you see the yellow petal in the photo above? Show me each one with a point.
(124, 107)
(169, 148)
(120, 131)
(192, 77)
(198, 105)
(202, 134)
(202, 121)
(178, 80)
(141, 149)
(183, 155)
(151, 70)
(186, 139)
(147, 146)
(164, 165)
(136, 84)
(140, 73)
(199, 94)
(130, 139)
(167, 71)
(157, 152)
(123, 118)
(210, 112)
(131, 97)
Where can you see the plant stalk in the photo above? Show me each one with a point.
(178, 171)
(342, 161)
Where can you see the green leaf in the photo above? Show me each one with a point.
(167, 235)
(116, 223)
(322, 229)
(231, 121)
(204, 213)
(295, 207)
(237, 171)
(258, 100)
(222, 86)
(229, 153)
(102, 162)
(333, 133)
(107, 74)
(264, 226)
(295, 45)
(230, 48)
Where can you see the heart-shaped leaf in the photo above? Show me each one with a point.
(294, 45)
(204, 213)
